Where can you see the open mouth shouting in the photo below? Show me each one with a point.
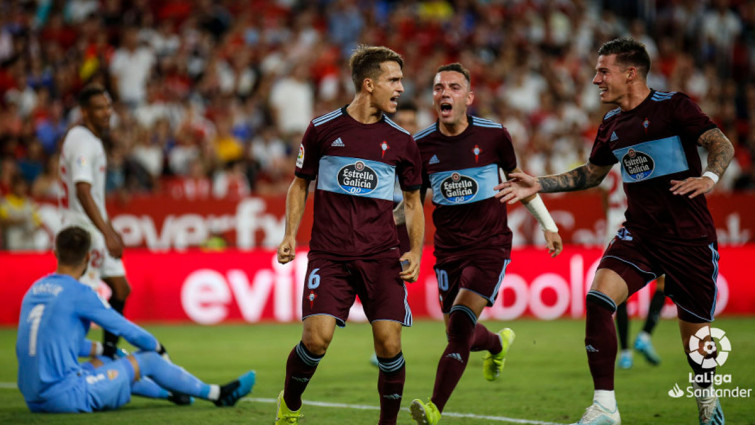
(446, 109)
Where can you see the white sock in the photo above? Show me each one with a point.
(644, 336)
(606, 399)
(626, 352)
(214, 392)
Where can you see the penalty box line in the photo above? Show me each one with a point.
(12, 385)
(445, 414)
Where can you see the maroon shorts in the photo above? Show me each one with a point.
(691, 272)
(481, 275)
(331, 286)
(403, 238)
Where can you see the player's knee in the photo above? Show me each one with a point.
(596, 298)
(388, 348)
(316, 343)
(146, 361)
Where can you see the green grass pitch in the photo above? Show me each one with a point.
(546, 379)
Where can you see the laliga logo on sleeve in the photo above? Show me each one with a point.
(697, 341)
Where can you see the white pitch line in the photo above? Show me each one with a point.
(12, 385)
(446, 414)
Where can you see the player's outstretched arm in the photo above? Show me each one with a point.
(296, 201)
(537, 209)
(415, 225)
(720, 152)
(91, 307)
(522, 185)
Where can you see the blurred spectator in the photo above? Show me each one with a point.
(49, 123)
(47, 185)
(227, 147)
(292, 100)
(8, 171)
(270, 154)
(131, 67)
(195, 185)
(231, 181)
(259, 74)
(148, 154)
(33, 163)
(19, 219)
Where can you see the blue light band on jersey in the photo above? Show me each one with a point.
(652, 159)
(356, 177)
(465, 186)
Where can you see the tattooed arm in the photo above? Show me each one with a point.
(582, 177)
(720, 152)
(521, 185)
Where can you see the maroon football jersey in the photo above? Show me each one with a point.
(654, 143)
(462, 171)
(356, 166)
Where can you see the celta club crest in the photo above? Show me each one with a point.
(645, 124)
(476, 151)
(384, 147)
(311, 297)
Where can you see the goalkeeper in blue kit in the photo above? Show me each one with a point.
(56, 314)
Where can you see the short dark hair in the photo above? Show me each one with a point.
(457, 67)
(89, 92)
(629, 52)
(365, 62)
(72, 245)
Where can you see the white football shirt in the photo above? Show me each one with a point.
(82, 159)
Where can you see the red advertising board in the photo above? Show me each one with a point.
(250, 286)
(162, 222)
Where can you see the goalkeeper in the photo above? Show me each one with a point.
(56, 313)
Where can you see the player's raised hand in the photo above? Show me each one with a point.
(553, 240)
(518, 187)
(692, 185)
(409, 267)
(286, 250)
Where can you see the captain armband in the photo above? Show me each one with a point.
(541, 214)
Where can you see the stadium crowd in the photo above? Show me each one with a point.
(211, 98)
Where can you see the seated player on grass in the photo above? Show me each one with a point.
(56, 313)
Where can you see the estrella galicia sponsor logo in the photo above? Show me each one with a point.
(357, 178)
(638, 165)
(458, 188)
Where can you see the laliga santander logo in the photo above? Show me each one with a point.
(698, 341)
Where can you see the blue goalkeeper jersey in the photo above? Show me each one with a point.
(56, 313)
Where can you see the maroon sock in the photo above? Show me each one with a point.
(391, 387)
(461, 329)
(300, 367)
(485, 340)
(600, 339)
